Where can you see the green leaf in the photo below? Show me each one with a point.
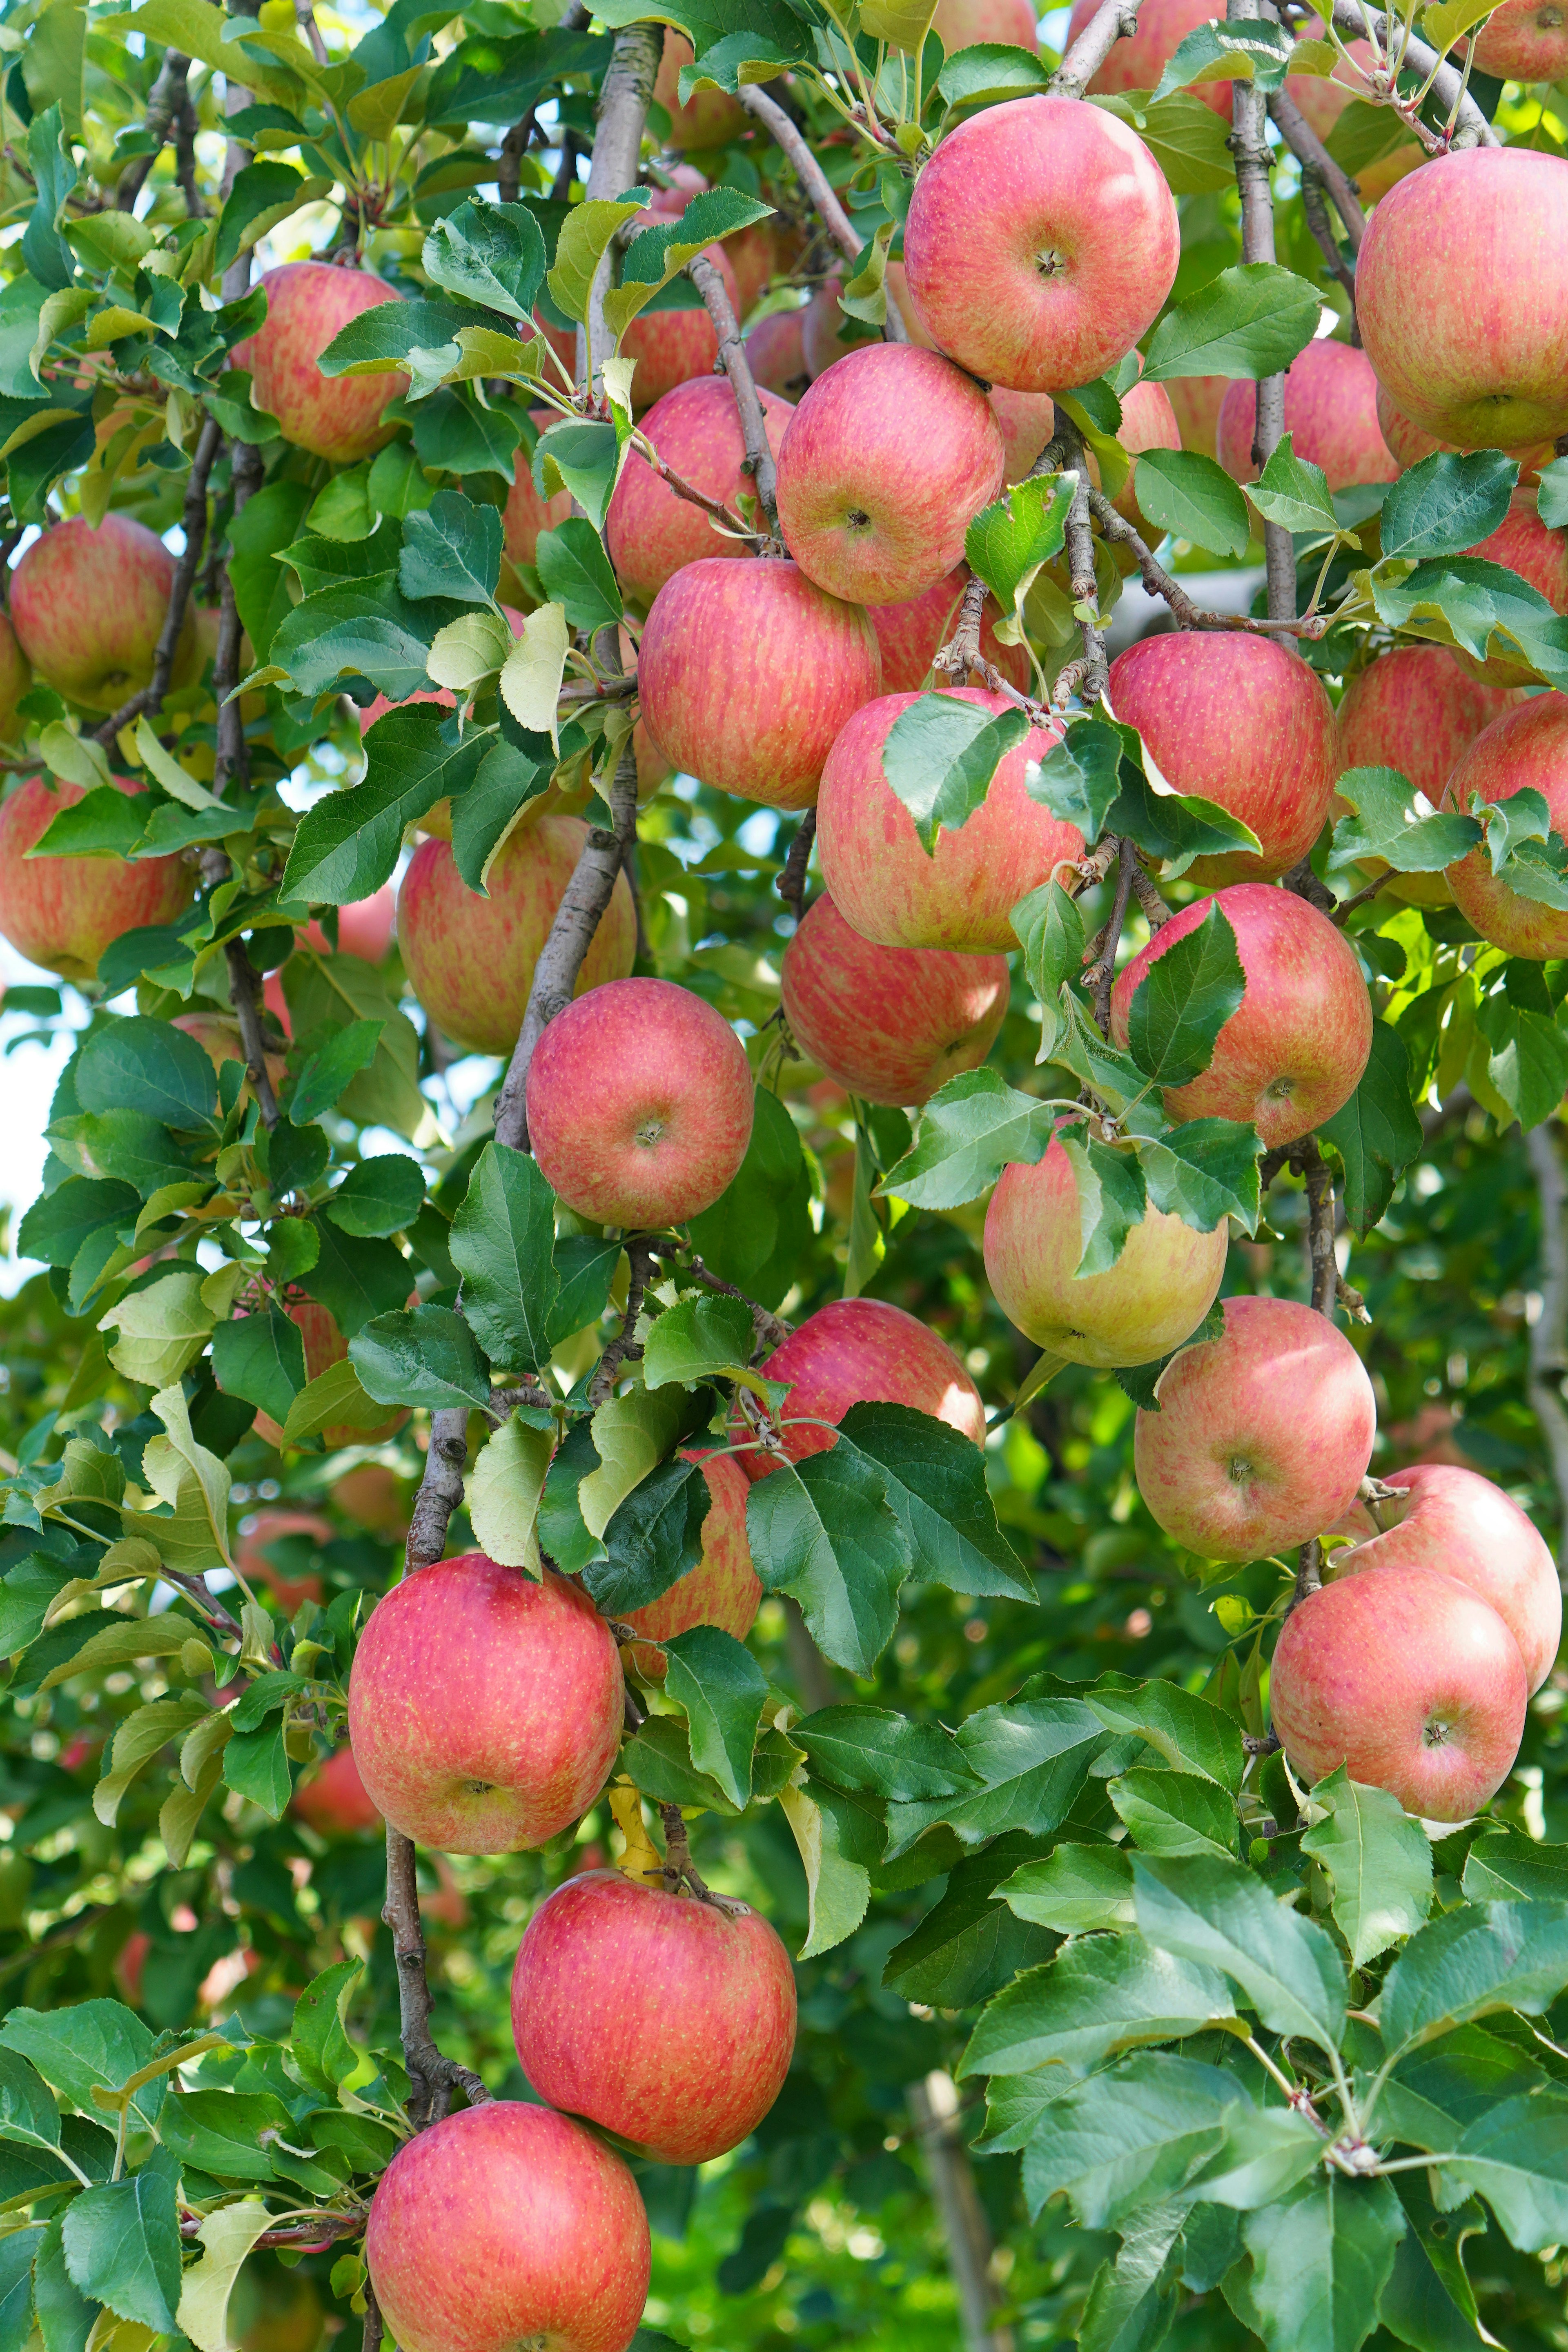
(1098, 1997)
(968, 1946)
(502, 1243)
(137, 1064)
(1446, 503)
(755, 1231)
(451, 549)
(658, 1762)
(576, 570)
(1191, 1733)
(936, 1486)
(1429, 2302)
(1386, 825)
(263, 195)
(1132, 2299)
(1321, 2259)
(328, 1067)
(319, 2040)
(875, 1752)
(1293, 493)
(705, 1337)
(1465, 601)
(1184, 999)
(653, 1537)
(256, 1764)
(586, 1265)
(504, 1491)
(1031, 1758)
(220, 2131)
(384, 338)
(1527, 1061)
(28, 2112)
(379, 1196)
(990, 71)
(1377, 1133)
(584, 458)
(1078, 779)
(332, 1400)
(1174, 826)
(1175, 1813)
(1112, 1197)
(262, 1358)
(1009, 541)
(1506, 1866)
(1193, 497)
(423, 1356)
(483, 819)
(125, 1640)
(838, 1845)
(1251, 321)
(1244, 51)
(122, 2248)
(490, 253)
(1552, 496)
(658, 252)
(1049, 930)
(719, 1682)
(1471, 1961)
(1075, 1890)
(585, 239)
(940, 758)
(1201, 1170)
(355, 1279)
(361, 627)
(1129, 2137)
(1379, 1863)
(65, 2316)
(93, 2043)
(226, 2237)
(825, 1531)
(54, 175)
(58, 1223)
(1221, 1915)
(1515, 2155)
(969, 1131)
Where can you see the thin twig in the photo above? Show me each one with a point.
(195, 520)
(1086, 677)
(513, 148)
(792, 881)
(1113, 21)
(1320, 1184)
(731, 356)
(440, 1488)
(230, 759)
(713, 508)
(1146, 890)
(679, 1871)
(1311, 154)
(305, 17)
(807, 170)
(1315, 203)
(625, 1348)
(1102, 975)
(961, 652)
(1248, 144)
(433, 2077)
(1159, 582)
(1394, 37)
(770, 1330)
(163, 102)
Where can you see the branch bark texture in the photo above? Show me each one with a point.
(618, 149)
(1549, 1332)
(1113, 21)
(1248, 144)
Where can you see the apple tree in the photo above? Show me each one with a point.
(779, 1455)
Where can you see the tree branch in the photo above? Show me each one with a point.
(1472, 129)
(1086, 677)
(1249, 145)
(432, 2077)
(1549, 1332)
(440, 1488)
(1320, 1185)
(164, 103)
(934, 2108)
(807, 170)
(617, 148)
(1159, 582)
(759, 459)
(625, 1348)
(195, 520)
(1312, 155)
(1100, 977)
(1113, 21)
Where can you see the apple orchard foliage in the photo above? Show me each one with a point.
(1254, 2062)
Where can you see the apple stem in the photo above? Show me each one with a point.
(680, 1872)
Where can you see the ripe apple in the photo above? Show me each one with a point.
(824, 318)
(753, 255)
(651, 531)
(1527, 746)
(1330, 411)
(471, 959)
(890, 1025)
(710, 118)
(1463, 1526)
(961, 24)
(268, 1527)
(639, 1104)
(1027, 420)
(1522, 543)
(88, 606)
(526, 514)
(659, 2017)
(1408, 1679)
(1296, 1046)
(1152, 1299)
(324, 1346)
(1490, 372)
(62, 912)
(1138, 63)
(860, 521)
(723, 1589)
(1078, 233)
(1244, 723)
(884, 883)
(220, 1040)
(911, 635)
(334, 1799)
(1413, 709)
(16, 677)
(485, 1709)
(1197, 400)
(370, 1494)
(308, 303)
(775, 355)
(504, 2227)
(1261, 1438)
(669, 346)
(1411, 441)
(748, 672)
(1523, 40)
(1323, 97)
(863, 1351)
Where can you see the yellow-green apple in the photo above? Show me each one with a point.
(1330, 413)
(776, 354)
(504, 2227)
(859, 521)
(88, 606)
(1490, 372)
(1261, 1438)
(1415, 709)
(16, 677)
(62, 912)
(1524, 40)
(1411, 441)
(669, 346)
(639, 1104)
(370, 1494)
(959, 23)
(1459, 1523)
(1137, 63)
(886, 884)
(1524, 544)
(273, 1526)
(219, 1039)
(723, 1589)
(308, 303)
(471, 959)
(1079, 232)
(911, 635)
(662, 2018)
(1527, 747)
(526, 514)
(1240, 722)
(748, 671)
(651, 532)
(890, 1025)
(709, 118)
(1196, 402)
(1152, 1299)
(334, 1799)
(324, 1346)
(485, 1708)
(862, 1351)
(1409, 1680)
(1294, 1049)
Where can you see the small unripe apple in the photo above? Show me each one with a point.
(890, 1025)
(62, 912)
(863, 1351)
(88, 607)
(308, 303)
(723, 1589)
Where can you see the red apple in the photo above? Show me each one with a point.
(710, 118)
(1489, 371)
(863, 1351)
(1463, 1526)
(324, 1346)
(1196, 402)
(1523, 40)
(1296, 1046)
(669, 346)
(1152, 1299)
(220, 1040)
(639, 1104)
(269, 1527)
(62, 912)
(886, 885)
(723, 1589)
(911, 635)
(526, 513)
(485, 1709)
(665, 2019)
(1522, 543)
(1240, 722)
(860, 521)
(961, 24)
(890, 1025)
(1414, 709)
(1138, 63)
(16, 677)
(824, 318)
(1525, 747)
(748, 672)
(308, 303)
(1078, 235)
(334, 1799)
(88, 606)
(651, 531)
(775, 355)
(1261, 1438)
(471, 959)
(504, 2227)
(1026, 421)
(1330, 413)
(1323, 97)
(1410, 1681)
(370, 1494)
